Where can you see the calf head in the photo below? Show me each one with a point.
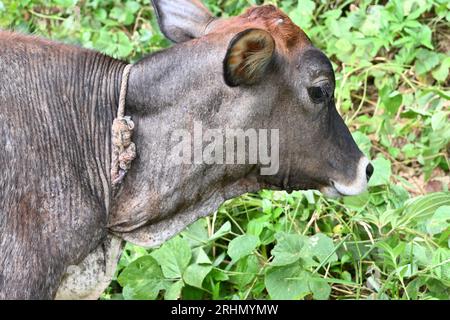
(254, 71)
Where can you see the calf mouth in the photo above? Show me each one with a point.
(357, 186)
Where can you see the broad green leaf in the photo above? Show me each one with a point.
(142, 279)
(124, 45)
(277, 212)
(303, 13)
(196, 234)
(439, 120)
(242, 246)
(200, 257)
(422, 254)
(309, 195)
(413, 287)
(372, 23)
(423, 207)
(219, 275)
(132, 6)
(439, 221)
(363, 142)
(320, 288)
(423, 35)
(357, 202)
(288, 248)
(441, 259)
(387, 250)
(224, 230)
(256, 226)
(442, 71)
(322, 247)
(344, 45)
(287, 282)
(426, 60)
(130, 253)
(346, 276)
(408, 270)
(173, 257)
(173, 292)
(195, 274)
(66, 3)
(192, 293)
(382, 172)
(246, 271)
(267, 206)
(392, 101)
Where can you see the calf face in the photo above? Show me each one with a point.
(293, 85)
(254, 72)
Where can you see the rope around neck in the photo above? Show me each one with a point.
(123, 149)
(123, 91)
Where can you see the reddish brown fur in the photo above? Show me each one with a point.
(288, 36)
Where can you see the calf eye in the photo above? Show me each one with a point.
(316, 94)
(320, 93)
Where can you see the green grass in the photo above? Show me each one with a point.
(392, 69)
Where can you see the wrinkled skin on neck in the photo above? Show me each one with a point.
(57, 103)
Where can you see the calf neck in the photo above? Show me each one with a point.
(57, 103)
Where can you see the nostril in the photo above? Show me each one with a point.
(369, 171)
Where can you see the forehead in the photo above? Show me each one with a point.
(288, 36)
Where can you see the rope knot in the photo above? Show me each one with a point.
(123, 148)
(122, 131)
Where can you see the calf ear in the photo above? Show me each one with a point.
(181, 20)
(248, 57)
